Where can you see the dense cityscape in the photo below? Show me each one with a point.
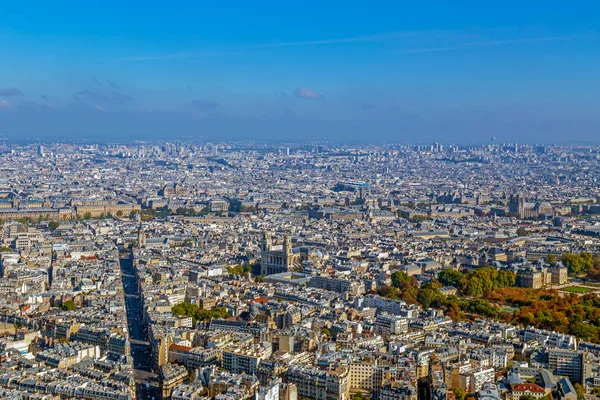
(291, 271)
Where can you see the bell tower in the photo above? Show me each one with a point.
(141, 237)
(267, 241)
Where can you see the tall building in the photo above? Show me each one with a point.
(574, 364)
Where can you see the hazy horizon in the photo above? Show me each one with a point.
(456, 73)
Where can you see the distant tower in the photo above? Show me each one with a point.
(392, 206)
(287, 244)
(287, 252)
(141, 237)
(517, 205)
(267, 241)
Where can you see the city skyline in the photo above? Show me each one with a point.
(232, 271)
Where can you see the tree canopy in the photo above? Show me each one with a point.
(401, 280)
(579, 263)
(490, 293)
(68, 305)
(239, 269)
(191, 310)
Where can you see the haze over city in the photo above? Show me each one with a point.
(391, 71)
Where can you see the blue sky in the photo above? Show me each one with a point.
(386, 70)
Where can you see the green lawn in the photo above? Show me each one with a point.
(576, 289)
(510, 309)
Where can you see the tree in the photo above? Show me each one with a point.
(87, 216)
(390, 292)
(551, 259)
(579, 390)
(400, 279)
(505, 278)
(428, 296)
(453, 308)
(260, 278)
(68, 305)
(578, 263)
(418, 218)
(582, 330)
(409, 295)
(215, 313)
(452, 277)
(526, 397)
(53, 225)
(459, 393)
(185, 211)
(239, 269)
(184, 309)
(475, 287)
(119, 213)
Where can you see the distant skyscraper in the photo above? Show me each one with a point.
(41, 151)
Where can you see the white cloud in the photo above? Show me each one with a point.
(308, 94)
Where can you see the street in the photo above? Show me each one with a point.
(146, 380)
